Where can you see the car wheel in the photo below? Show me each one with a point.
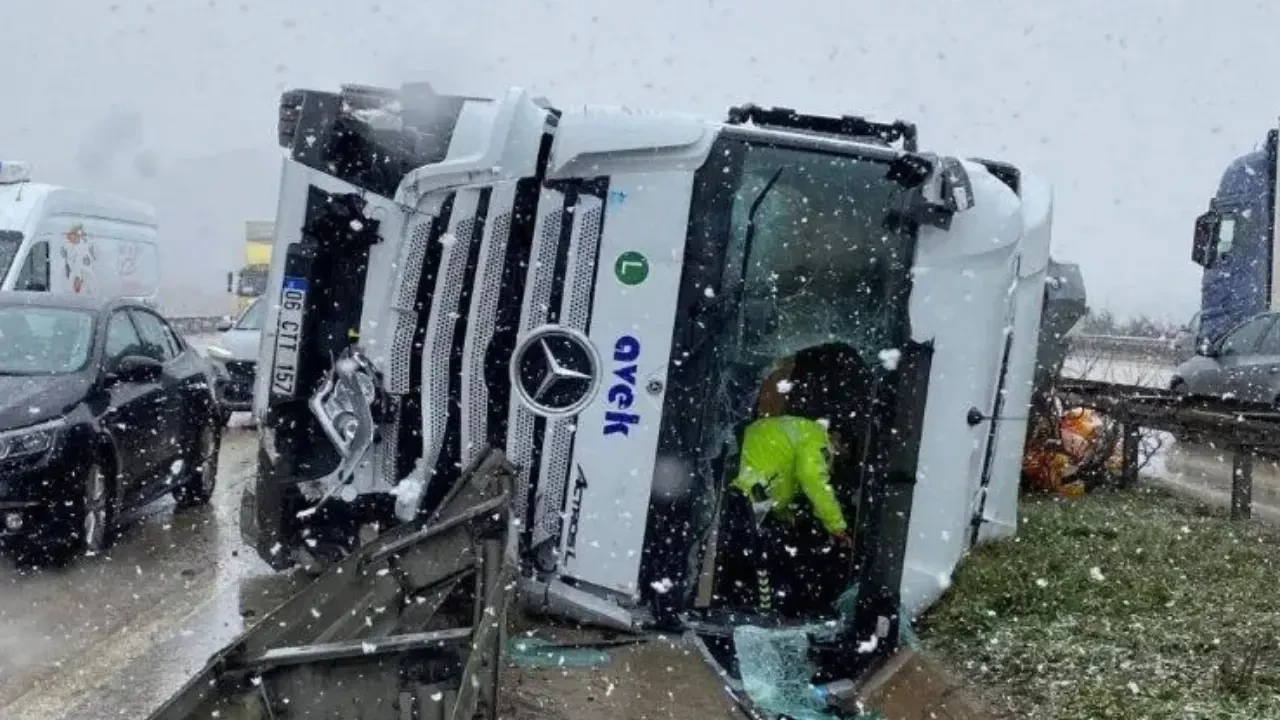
(96, 517)
(89, 527)
(202, 477)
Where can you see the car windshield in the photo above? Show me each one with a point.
(10, 242)
(251, 319)
(44, 341)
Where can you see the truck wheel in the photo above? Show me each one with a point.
(201, 476)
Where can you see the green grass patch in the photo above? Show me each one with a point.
(1119, 605)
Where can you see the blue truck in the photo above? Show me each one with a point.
(1234, 242)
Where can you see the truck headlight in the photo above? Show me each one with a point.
(29, 441)
(343, 403)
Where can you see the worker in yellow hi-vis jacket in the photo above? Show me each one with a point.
(784, 473)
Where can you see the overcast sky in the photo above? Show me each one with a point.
(1132, 107)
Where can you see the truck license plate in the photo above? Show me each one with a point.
(293, 298)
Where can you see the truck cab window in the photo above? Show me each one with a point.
(821, 260)
(35, 269)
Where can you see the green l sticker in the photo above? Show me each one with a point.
(631, 268)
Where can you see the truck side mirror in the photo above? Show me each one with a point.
(1214, 236)
(1204, 245)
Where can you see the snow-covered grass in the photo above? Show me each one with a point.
(1120, 605)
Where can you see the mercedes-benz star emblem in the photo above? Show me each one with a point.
(555, 370)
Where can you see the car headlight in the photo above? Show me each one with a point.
(28, 441)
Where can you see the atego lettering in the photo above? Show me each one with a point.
(575, 512)
(622, 394)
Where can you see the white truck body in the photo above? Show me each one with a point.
(58, 239)
(544, 284)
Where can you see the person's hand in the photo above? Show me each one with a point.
(842, 540)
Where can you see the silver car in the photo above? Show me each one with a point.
(1244, 364)
(1184, 342)
(235, 357)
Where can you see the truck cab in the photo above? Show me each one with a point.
(603, 293)
(248, 282)
(1235, 242)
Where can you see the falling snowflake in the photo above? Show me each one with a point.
(869, 646)
(784, 386)
(889, 358)
(663, 586)
(1096, 575)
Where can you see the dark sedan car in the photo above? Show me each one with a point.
(103, 407)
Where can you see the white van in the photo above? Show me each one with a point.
(55, 239)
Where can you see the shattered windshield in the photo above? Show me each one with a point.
(822, 253)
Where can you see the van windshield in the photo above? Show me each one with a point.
(10, 242)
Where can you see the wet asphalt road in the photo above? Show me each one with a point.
(114, 635)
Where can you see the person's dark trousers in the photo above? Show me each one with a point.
(809, 570)
(737, 555)
(791, 569)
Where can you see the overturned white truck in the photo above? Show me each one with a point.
(601, 292)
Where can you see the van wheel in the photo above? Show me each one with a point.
(201, 475)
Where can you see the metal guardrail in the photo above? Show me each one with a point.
(1245, 429)
(1145, 348)
(195, 324)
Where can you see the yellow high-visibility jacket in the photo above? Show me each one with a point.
(787, 455)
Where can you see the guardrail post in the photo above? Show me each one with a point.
(1242, 484)
(1132, 440)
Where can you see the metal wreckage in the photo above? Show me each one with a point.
(512, 348)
